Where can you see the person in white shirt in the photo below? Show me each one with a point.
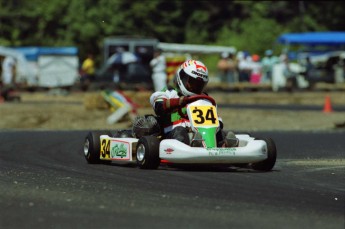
(159, 75)
(267, 65)
(244, 67)
(8, 71)
(8, 78)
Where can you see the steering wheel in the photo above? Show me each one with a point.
(206, 97)
(195, 98)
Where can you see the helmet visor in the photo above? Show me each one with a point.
(194, 85)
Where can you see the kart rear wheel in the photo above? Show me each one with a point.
(268, 163)
(123, 134)
(92, 146)
(148, 152)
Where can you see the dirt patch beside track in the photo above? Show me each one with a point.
(80, 111)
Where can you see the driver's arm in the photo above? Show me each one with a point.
(162, 106)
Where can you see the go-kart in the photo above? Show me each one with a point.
(145, 146)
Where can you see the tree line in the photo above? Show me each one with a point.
(246, 25)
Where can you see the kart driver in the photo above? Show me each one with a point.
(190, 79)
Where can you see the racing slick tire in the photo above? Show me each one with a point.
(123, 134)
(92, 147)
(267, 164)
(148, 152)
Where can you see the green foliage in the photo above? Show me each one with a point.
(246, 25)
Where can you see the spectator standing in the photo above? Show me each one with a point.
(158, 66)
(87, 71)
(256, 67)
(309, 67)
(290, 76)
(267, 65)
(227, 68)
(309, 73)
(8, 71)
(244, 68)
(8, 77)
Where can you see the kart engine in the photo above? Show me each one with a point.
(145, 125)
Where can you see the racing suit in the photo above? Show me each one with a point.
(166, 104)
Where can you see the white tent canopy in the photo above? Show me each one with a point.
(25, 73)
(192, 48)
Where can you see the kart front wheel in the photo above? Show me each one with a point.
(267, 164)
(148, 152)
(92, 147)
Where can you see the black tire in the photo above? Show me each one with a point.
(269, 163)
(92, 146)
(126, 134)
(122, 134)
(148, 152)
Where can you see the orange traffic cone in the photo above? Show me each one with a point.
(327, 108)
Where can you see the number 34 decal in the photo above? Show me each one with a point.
(204, 116)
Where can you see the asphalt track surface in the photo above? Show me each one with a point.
(46, 183)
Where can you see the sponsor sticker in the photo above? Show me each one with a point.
(199, 74)
(221, 151)
(169, 150)
(119, 150)
(115, 150)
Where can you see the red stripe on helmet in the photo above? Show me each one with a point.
(200, 66)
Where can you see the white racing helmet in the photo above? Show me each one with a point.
(192, 77)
